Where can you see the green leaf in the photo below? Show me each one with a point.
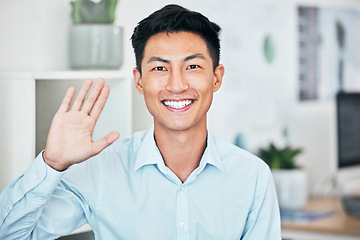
(280, 158)
(87, 11)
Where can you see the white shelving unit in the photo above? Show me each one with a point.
(28, 102)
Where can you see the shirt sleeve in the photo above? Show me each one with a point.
(36, 204)
(264, 217)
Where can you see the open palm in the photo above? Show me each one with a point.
(70, 136)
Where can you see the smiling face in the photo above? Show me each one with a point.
(178, 80)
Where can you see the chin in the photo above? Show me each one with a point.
(180, 126)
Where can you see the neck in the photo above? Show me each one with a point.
(181, 150)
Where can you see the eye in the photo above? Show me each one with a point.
(159, 69)
(193, 66)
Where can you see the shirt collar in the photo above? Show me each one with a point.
(149, 154)
(211, 156)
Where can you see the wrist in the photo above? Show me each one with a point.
(53, 164)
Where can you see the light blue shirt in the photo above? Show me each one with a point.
(127, 192)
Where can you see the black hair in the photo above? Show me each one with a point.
(172, 19)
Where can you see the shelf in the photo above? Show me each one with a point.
(71, 75)
(68, 75)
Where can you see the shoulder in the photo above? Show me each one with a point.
(249, 175)
(238, 159)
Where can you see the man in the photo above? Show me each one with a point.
(175, 181)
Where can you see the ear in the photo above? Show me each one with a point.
(138, 80)
(218, 76)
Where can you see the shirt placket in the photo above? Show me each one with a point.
(182, 214)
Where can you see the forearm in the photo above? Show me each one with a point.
(23, 201)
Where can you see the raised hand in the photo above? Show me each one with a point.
(70, 136)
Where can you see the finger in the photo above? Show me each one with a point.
(100, 103)
(81, 95)
(93, 96)
(101, 144)
(65, 104)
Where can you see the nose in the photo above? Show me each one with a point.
(177, 83)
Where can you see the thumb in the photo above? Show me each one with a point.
(106, 141)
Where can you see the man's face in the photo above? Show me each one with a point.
(178, 80)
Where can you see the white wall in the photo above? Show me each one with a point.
(34, 35)
(314, 126)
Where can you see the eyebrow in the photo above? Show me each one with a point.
(199, 55)
(188, 58)
(157, 59)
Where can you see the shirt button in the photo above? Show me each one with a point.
(182, 225)
(37, 176)
(182, 188)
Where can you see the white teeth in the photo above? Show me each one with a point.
(177, 104)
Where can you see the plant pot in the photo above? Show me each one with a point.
(291, 188)
(96, 46)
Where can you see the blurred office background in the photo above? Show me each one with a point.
(285, 60)
(265, 87)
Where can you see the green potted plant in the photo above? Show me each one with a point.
(95, 43)
(290, 180)
(280, 158)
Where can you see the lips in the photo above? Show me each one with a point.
(177, 104)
